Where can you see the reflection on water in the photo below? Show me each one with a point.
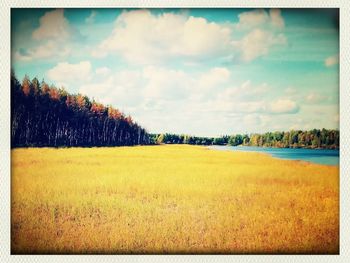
(322, 156)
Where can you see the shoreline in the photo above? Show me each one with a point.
(212, 147)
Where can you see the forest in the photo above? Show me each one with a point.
(43, 115)
(316, 138)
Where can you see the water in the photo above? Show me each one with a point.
(321, 156)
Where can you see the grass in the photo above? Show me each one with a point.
(170, 199)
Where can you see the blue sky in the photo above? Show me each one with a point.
(204, 72)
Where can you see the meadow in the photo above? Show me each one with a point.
(170, 199)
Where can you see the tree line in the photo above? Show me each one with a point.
(316, 138)
(43, 115)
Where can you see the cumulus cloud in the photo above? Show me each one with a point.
(283, 106)
(155, 85)
(252, 120)
(259, 18)
(53, 25)
(91, 18)
(22, 55)
(164, 94)
(276, 18)
(241, 108)
(252, 19)
(315, 98)
(122, 89)
(103, 71)
(251, 99)
(65, 73)
(264, 32)
(214, 78)
(331, 61)
(303, 123)
(245, 92)
(142, 37)
(147, 89)
(258, 43)
(166, 84)
(46, 50)
(51, 38)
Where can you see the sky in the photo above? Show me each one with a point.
(204, 72)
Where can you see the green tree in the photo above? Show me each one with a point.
(160, 139)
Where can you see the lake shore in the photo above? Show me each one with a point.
(320, 156)
(170, 199)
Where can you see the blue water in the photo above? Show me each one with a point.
(321, 156)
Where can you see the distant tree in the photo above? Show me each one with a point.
(219, 141)
(160, 139)
(246, 139)
(235, 140)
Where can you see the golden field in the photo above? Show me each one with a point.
(170, 199)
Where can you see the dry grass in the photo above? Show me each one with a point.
(170, 199)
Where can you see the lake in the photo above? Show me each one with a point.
(321, 156)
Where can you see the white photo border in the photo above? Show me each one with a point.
(344, 127)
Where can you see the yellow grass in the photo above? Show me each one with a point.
(170, 199)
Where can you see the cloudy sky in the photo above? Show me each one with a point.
(205, 72)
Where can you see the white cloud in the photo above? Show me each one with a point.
(122, 89)
(252, 120)
(104, 71)
(249, 91)
(290, 91)
(53, 25)
(166, 84)
(263, 33)
(141, 37)
(18, 56)
(201, 37)
(249, 99)
(252, 19)
(70, 74)
(259, 18)
(276, 18)
(51, 38)
(47, 50)
(91, 18)
(214, 78)
(303, 124)
(251, 106)
(151, 88)
(283, 106)
(162, 95)
(331, 61)
(243, 93)
(258, 43)
(315, 98)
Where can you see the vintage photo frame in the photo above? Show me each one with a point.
(344, 127)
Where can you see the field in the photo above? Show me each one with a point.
(170, 199)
